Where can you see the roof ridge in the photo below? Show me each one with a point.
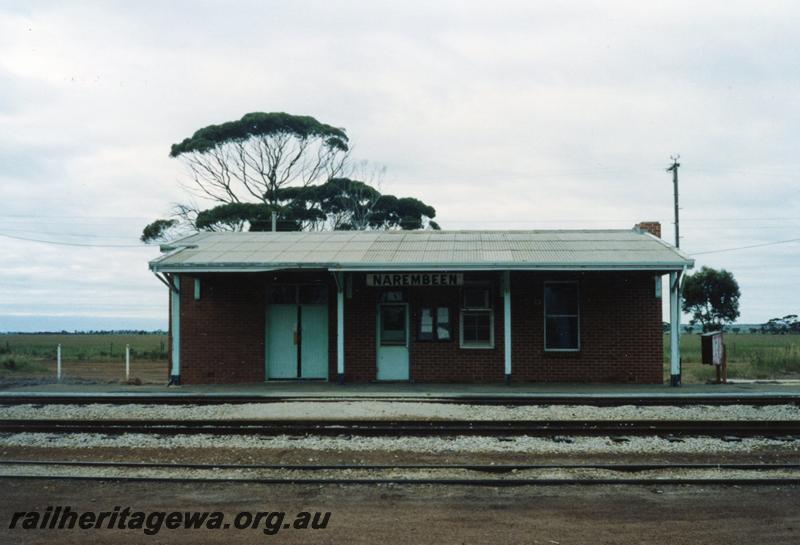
(397, 232)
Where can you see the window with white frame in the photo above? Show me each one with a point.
(477, 318)
(561, 316)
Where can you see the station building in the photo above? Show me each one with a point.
(420, 306)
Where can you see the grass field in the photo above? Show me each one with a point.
(750, 355)
(84, 356)
(86, 347)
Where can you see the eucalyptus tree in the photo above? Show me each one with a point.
(290, 165)
(254, 157)
(338, 204)
(712, 298)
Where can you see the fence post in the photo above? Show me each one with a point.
(58, 363)
(127, 362)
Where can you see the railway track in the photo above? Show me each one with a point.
(677, 400)
(485, 468)
(786, 429)
(410, 474)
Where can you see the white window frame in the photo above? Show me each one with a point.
(489, 309)
(576, 316)
(380, 326)
(481, 346)
(486, 287)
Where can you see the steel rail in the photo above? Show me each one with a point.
(485, 468)
(677, 400)
(667, 481)
(405, 428)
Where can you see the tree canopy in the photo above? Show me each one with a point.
(261, 125)
(252, 158)
(711, 297)
(338, 204)
(235, 217)
(783, 325)
(158, 230)
(295, 166)
(407, 213)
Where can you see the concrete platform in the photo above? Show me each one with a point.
(400, 391)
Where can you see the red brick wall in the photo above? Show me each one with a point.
(222, 333)
(430, 361)
(620, 330)
(360, 330)
(652, 227)
(439, 361)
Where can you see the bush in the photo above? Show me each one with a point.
(16, 364)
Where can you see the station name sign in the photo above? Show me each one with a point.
(415, 279)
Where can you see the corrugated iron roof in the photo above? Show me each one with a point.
(420, 250)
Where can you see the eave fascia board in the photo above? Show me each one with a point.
(167, 255)
(178, 242)
(502, 267)
(672, 247)
(387, 267)
(181, 270)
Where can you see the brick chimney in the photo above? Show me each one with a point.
(652, 227)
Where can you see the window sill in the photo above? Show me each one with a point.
(556, 354)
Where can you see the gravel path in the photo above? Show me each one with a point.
(391, 410)
(428, 515)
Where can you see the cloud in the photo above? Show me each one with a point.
(501, 115)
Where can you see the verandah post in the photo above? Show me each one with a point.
(340, 327)
(674, 329)
(507, 323)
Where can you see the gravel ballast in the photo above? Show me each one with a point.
(11, 470)
(393, 410)
(459, 444)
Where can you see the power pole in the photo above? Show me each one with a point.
(674, 168)
(675, 291)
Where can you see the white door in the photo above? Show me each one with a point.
(314, 341)
(282, 341)
(393, 341)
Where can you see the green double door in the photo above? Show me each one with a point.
(297, 332)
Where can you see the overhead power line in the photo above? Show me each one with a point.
(83, 245)
(26, 232)
(46, 216)
(618, 220)
(747, 247)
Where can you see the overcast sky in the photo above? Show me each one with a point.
(502, 115)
